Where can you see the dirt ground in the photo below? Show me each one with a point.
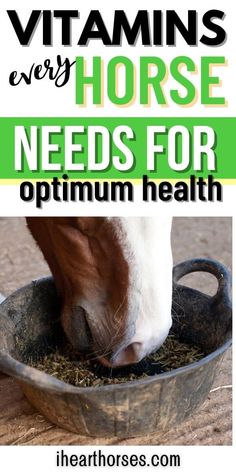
(21, 261)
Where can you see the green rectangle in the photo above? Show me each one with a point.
(224, 128)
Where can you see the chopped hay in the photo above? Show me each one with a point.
(82, 372)
(174, 354)
(78, 373)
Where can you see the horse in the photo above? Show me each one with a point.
(114, 278)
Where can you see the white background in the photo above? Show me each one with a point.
(43, 99)
(193, 459)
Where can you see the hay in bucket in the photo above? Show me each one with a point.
(79, 371)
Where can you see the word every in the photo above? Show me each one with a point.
(96, 148)
(59, 74)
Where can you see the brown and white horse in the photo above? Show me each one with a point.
(119, 270)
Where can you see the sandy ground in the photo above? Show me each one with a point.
(21, 261)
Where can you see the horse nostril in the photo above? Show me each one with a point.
(129, 355)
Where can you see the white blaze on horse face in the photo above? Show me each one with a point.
(147, 249)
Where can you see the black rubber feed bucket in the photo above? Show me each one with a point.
(30, 324)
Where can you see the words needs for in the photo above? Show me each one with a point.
(98, 148)
(38, 151)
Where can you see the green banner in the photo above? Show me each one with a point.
(41, 148)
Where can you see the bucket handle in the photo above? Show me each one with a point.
(211, 266)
